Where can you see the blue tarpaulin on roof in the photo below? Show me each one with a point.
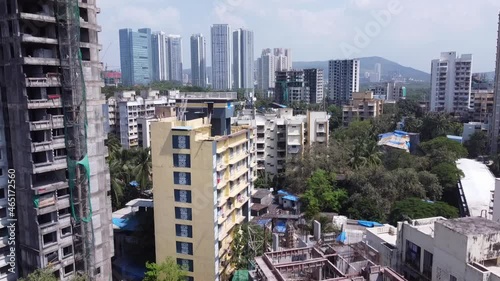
(369, 223)
(280, 227)
(263, 222)
(342, 237)
(291, 198)
(126, 224)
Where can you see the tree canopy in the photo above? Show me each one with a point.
(46, 274)
(168, 270)
(415, 208)
(322, 194)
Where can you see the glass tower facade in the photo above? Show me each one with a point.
(136, 56)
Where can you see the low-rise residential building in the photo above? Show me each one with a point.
(473, 127)
(126, 107)
(281, 134)
(128, 222)
(363, 106)
(438, 249)
(482, 102)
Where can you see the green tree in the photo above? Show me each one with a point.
(43, 274)
(367, 205)
(396, 158)
(46, 274)
(477, 145)
(439, 124)
(142, 169)
(332, 159)
(415, 208)
(430, 181)
(364, 153)
(168, 270)
(322, 195)
(335, 117)
(407, 108)
(448, 174)
(442, 149)
(412, 124)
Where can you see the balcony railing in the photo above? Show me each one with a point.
(53, 81)
(44, 103)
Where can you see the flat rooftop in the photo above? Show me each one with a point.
(472, 226)
(387, 233)
(477, 184)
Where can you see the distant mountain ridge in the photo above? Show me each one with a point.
(389, 68)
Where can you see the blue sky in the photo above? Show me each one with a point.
(406, 31)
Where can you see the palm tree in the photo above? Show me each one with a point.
(113, 144)
(142, 168)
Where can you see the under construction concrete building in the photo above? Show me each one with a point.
(52, 110)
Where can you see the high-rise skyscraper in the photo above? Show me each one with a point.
(221, 57)
(291, 87)
(283, 59)
(314, 80)
(174, 43)
(343, 80)
(271, 61)
(53, 141)
(266, 69)
(198, 61)
(159, 56)
(495, 125)
(376, 75)
(451, 80)
(243, 61)
(136, 56)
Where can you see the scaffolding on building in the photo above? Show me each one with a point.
(75, 124)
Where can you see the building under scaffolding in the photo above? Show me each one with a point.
(50, 96)
(323, 263)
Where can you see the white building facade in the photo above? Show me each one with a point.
(280, 135)
(438, 249)
(198, 61)
(174, 43)
(243, 59)
(451, 81)
(160, 59)
(127, 108)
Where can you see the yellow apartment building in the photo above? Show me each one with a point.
(363, 106)
(202, 185)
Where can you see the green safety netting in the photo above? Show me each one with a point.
(241, 275)
(68, 16)
(36, 200)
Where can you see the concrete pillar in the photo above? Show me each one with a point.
(276, 242)
(317, 230)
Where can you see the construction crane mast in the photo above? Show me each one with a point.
(75, 124)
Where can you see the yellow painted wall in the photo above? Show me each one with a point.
(202, 187)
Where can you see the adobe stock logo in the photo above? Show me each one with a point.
(363, 37)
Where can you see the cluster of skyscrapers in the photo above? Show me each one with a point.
(147, 57)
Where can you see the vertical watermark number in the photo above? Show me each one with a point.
(12, 220)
